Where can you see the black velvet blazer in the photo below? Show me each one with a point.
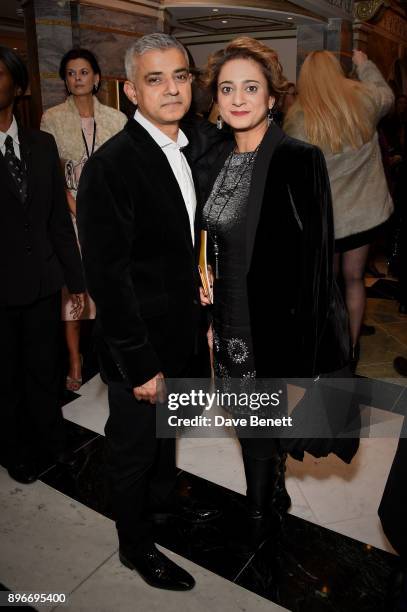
(38, 248)
(139, 259)
(298, 319)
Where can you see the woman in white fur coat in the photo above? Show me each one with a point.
(80, 125)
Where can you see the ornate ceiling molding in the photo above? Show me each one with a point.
(266, 5)
(367, 10)
(239, 23)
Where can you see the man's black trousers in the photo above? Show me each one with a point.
(31, 418)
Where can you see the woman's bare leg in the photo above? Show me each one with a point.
(72, 335)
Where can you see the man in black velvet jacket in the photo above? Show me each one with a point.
(39, 254)
(136, 213)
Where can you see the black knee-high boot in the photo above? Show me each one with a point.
(261, 479)
(262, 519)
(281, 500)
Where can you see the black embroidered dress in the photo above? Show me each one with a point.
(225, 217)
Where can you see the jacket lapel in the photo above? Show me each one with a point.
(160, 173)
(198, 211)
(268, 145)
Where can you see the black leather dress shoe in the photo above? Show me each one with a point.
(25, 472)
(157, 570)
(400, 365)
(189, 510)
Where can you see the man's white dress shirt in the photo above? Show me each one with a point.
(178, 163)
(13, 132)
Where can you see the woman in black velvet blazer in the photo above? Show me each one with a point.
(277, 311)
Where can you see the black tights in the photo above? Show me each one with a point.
(351, 265)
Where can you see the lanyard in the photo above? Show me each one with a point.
(93, 141)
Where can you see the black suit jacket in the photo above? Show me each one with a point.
(298, 319)
(39, 248)
(140, 263)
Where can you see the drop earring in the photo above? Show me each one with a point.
(270, 116)
(219, 122)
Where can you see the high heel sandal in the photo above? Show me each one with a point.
(74, 384)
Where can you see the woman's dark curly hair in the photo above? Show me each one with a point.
(245, 47)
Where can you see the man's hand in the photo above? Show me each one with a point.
(358, 57)
(149, 392)
(78, 304)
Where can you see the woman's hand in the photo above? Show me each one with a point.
(205, 301)
(358, 57)
(209, 336)
(78, 304)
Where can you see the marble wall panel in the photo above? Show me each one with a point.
(49, 9)
(340, 41)
(109, 48)
(53, 92)
(309, 38)
(53, 41)
(117, 20)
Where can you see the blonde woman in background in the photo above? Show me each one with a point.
(80, 125)
(340, 116)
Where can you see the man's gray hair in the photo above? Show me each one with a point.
(150, 42)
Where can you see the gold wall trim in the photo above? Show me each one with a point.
(86, 26)
(153, 4)
(368, 9)
(54, 76)
(149, 9)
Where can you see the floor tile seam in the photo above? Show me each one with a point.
(403, 344)
(365, 364)
(84, 427)
(308, 505)
(82, 582)
(245, 566)
(354, 518)
(402, 391)
(376, 323)
(398, 322)
(342, 521)
(321, 523)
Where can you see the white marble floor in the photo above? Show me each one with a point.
(341, 497)
(50, 543)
